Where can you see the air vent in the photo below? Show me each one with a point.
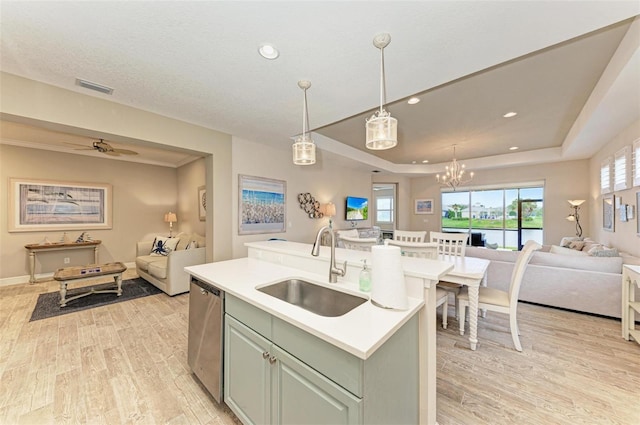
(94, 86)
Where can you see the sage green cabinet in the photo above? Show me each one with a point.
(266, 385)
(277, 373)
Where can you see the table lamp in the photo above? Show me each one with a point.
(170, 218)
(329, 210)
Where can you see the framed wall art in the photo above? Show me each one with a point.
(202, 203)
(608, 213)
(43, 205)
(262, 205)
(423, 206)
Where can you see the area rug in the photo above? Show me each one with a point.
(48, 304)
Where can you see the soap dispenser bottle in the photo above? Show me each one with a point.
(365, 278)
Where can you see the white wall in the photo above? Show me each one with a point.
(325, 181)
(625, 236)
(190, 177)
(563, 181)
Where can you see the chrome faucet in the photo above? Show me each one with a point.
(334, 271)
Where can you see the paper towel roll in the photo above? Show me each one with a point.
(387, 278)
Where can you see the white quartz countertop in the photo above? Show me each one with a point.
(359, 332)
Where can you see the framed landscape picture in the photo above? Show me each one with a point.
(47, 205)
(424, 206)
(608, 213)
(262, 205)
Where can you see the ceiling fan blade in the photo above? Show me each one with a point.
(125, 152)
(112, 153)
(82, 147)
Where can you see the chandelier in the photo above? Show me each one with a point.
(454, 174)
(304, 150)
(382, 128)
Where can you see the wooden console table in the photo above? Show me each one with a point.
(36, 248)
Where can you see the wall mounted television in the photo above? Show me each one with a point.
(357, 208)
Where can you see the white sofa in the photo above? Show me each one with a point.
(167, 272)
(362, 233)
(576, 282)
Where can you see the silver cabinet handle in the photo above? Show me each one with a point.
(272, 359)
(203, 292)
(265, 354)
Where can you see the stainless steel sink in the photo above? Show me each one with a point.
(314, 298)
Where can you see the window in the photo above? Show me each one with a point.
(636, 162)
(384, 209)
(505, 216)
(605, 175)
(620, 170)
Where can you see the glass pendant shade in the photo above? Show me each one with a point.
(382, 131)
(304, 150)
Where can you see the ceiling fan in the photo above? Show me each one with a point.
(106, 148)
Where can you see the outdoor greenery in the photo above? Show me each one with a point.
(512, 223)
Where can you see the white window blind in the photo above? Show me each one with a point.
(621, 170)
(636, 163)
(605, 175)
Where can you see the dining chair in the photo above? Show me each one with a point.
(450, 244)
(442, 299)
(358, 244)
(501, 301)
(409, 236)
(415, 249)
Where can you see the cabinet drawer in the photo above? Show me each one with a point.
(253, 317)
(341, 367)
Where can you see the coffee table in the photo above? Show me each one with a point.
(77, 274)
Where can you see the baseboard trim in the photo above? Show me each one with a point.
(19, 280)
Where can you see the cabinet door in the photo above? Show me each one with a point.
(303, 396)
(247, 374)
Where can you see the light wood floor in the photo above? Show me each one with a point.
(127, 363)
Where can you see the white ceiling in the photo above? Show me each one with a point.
(469, 61)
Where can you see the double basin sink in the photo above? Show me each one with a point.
(314, 298)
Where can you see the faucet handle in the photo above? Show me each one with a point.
(344, 268)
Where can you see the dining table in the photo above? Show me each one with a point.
(470, 272)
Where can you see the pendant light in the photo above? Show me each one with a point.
(382, 128)
(304, 150)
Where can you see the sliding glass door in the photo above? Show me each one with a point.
(505, 217)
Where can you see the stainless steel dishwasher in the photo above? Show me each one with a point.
(206, 310)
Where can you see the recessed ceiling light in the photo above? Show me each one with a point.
(510, 114)
(267, 51)
(413, 162)
(514, 148)
(413, 101)
(425, 161)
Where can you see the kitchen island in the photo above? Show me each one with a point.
(380, 361)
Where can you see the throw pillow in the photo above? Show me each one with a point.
(577, 245)
(603, 251)
(555, 249)
(567, 239)
(191, 245)
(162, 246)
